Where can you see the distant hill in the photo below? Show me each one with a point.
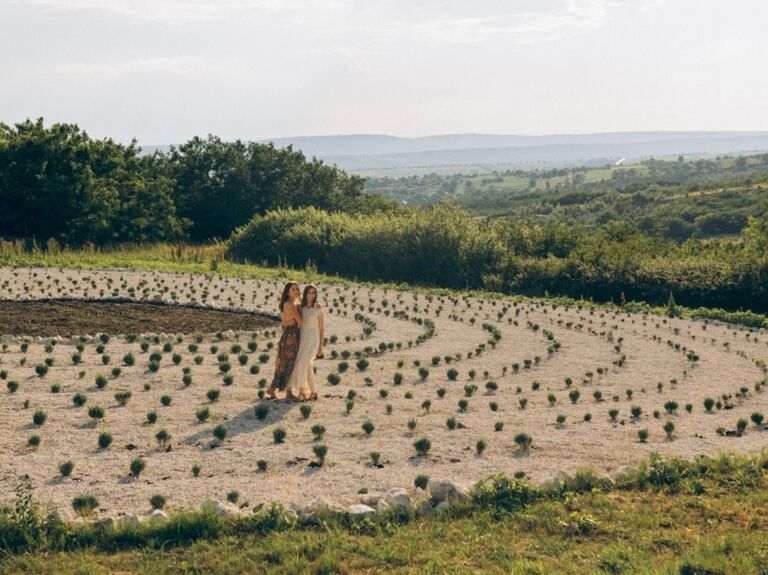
(381, 153)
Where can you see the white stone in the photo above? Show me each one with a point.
(158, 516)
(360, 510)
(219, 509)
(382, 506)
(370, 499)
(443, 506)
(130, 520)
(399, 499)
(424, 507)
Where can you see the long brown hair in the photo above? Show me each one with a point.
(285, 296)
(304, 296)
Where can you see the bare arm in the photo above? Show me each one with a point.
(321, 324)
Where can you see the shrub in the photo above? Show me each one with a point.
(362, 364)
(441, 392)
(305, 410)
(613, 414)
(137, 466)
(157, 502)
(757, 418)
(212, 394)
(165, 400)
(574, 395)
(463, 405)
(636, 411)
(642, 434)
(220, 432)
(33, 441)
(318, 431)
(162, 437)
(279, 434)
(560, 420)
(501, 493)
(39, 417)
(320, 450)
(426, 405)
(423, 373)
(480, 446)
(101, 381)
(741, 425)
(669, 429)
(469, 390)
(196, 470)
(151, 417)
(79, 399)
(523, 402)
(523, 441)
(233, 496)
(491, 386)
(671, 407)
(412, 425)
(421, 481)
(84, 505)
(261, 411)
(105, 440)
(122, 397)
(453, 374)
(498, 426)
(350, 405)
(422, 446)
(261, 465)
(96, 413)
(451, 422)
(598, 395)
(333, 378)
(397, 378)
(41, 369)
(66, 468)
(375, 458)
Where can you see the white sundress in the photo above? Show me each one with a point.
(302, 379)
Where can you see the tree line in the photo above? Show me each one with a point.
(445, 246)
(57, 182)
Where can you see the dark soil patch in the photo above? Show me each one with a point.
(67, 318)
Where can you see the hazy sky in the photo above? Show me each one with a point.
(166, 70)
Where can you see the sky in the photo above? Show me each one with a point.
(163, 71)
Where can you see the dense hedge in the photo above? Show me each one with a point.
(444, 246)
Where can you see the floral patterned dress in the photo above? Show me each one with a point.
(287, 350)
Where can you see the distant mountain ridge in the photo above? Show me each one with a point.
(365, 152)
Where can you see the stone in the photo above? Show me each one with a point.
(443, 506)
(130, 520)
(398, 499)
(360, 510)
(158, 516)
(441, 491)
(370, 499)
(219, 509)
(424, 507)
(105, 522)
(382, 506)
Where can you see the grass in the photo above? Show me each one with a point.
(716, 526)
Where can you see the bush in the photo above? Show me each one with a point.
(66, 468)
(39, 417)
(85, 505)
(279, 434)
(220, 432)
(305, 410)
(642, 434)
(261, 411)
(757, 418)
(421, 481)
(79, 399)
(334, 378)
(105, 440)
(318, 431)
(137, 466)
(453, 374)
(368, 427)
(213, 394)
(101, 381)
(422, 446)
(480, 446)
(501, 493)
(523, 441)
(709, 403)
(320, 451)
(157, 502)
(669, 429)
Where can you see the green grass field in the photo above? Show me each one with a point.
(704, 518)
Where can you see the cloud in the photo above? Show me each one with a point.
(182, 66)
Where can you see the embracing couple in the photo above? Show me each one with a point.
(301, 342)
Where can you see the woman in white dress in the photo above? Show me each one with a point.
(302, 380)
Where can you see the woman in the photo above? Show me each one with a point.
(288, 346)
(301, 383)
